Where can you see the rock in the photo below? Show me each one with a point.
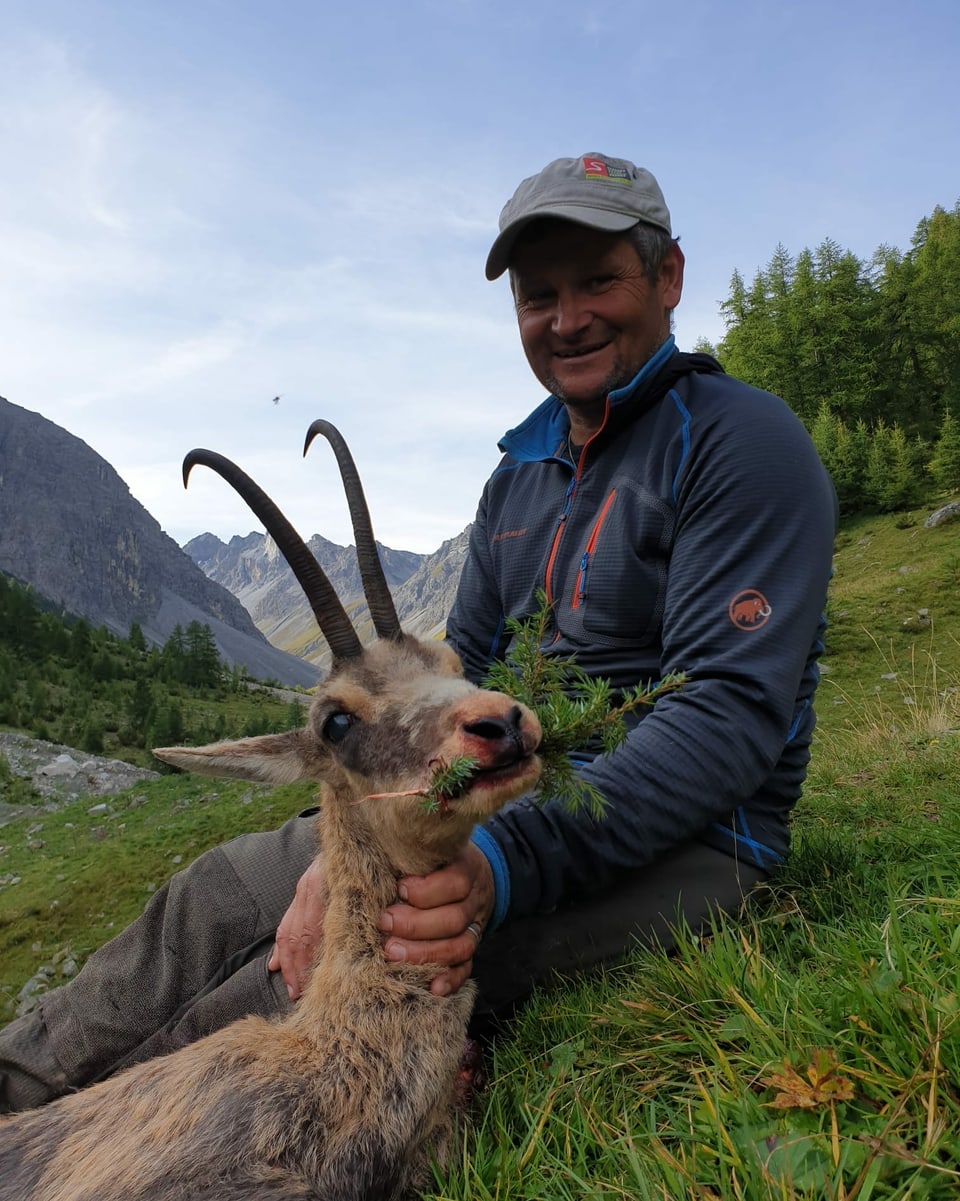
(28, 998)
(63, 765)
(946, 514)
(56, 775)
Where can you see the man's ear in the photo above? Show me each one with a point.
(670, 279)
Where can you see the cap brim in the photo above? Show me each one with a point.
(498, 260)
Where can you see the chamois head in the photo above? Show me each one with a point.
(387, 716)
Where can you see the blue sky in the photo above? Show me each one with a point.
(206, 204)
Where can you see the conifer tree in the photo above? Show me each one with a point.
(944, 466)
(202, 667)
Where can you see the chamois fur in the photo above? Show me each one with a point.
(351, 1096)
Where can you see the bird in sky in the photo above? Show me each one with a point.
(276, 399)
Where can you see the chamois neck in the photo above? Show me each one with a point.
(361, 881)
(361, 878)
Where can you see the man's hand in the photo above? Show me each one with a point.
(300, 930)
(430, 922)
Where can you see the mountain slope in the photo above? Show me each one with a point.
(70, 528)
(256, 573)
(423, 586)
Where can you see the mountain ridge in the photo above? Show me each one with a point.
(423, 586)
(70, 528)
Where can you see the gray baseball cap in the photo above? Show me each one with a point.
(594, 189)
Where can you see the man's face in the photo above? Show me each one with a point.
(589, 318)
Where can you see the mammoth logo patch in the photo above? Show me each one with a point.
(749, 610)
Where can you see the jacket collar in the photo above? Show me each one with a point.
(541, 435)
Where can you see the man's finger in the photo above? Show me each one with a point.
(449, 981)
(449, 952)
(446, 886)
(422, 925)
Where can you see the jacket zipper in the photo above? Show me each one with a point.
(552, 557)
(580, 591)
(567, 503)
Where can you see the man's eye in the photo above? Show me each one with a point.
(337, 726)
(597, 283)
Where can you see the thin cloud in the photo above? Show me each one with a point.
(207, 206)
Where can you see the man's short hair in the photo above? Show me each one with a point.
(650, 242)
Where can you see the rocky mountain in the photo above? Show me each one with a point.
(424, 599)
(71, 530)
(423, 586)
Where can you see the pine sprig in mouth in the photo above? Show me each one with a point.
(573, 708)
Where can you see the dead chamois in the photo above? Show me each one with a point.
(350, 1097)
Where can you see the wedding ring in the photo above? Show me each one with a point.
(475, 930)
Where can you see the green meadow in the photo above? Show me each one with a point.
(809, 1050)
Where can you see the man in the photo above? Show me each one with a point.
(679, 521)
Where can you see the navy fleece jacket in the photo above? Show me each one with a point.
(695, 535)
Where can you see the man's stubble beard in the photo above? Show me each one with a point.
(618, 377)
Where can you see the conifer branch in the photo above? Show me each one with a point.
(574, 710)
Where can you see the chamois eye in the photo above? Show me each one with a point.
(337, 726)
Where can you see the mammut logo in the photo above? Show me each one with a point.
(749, 610)
(509, 534)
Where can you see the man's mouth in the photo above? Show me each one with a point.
(580, 352)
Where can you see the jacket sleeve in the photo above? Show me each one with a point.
(475, 625)
(756, 516)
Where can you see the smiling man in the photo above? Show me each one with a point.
(679, 521)
(589, 310)
(595, 274)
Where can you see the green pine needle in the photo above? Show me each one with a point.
(449, 781)
(573, 710)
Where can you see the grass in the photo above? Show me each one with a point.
(80, 878)
(809, 1051)
(887, 571)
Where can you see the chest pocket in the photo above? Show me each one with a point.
(616, 579)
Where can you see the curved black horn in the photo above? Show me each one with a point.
(331, 616)
(375, 588)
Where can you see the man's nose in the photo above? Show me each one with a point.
(570, 314)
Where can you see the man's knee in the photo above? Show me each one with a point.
(227, 900)
(30, 1074)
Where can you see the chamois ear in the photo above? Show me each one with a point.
(266, 759)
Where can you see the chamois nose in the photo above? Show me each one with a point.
(498, 729)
